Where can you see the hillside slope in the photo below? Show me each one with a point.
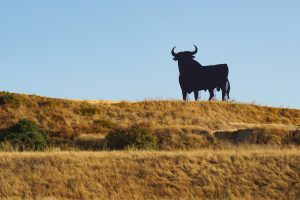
(67, 116)
(180, 124)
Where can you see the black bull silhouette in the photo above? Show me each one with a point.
(194, 77)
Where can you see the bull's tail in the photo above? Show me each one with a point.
(227, 88)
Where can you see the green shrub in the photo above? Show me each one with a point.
(135, 137)
(25, 135)
(9, 98)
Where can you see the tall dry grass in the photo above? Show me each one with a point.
(223, 174)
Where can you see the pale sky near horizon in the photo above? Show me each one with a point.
(120, 50)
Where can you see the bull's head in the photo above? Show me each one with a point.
(184, 54)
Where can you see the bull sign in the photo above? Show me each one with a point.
(194, 77)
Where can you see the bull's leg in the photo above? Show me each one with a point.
(196, 94)
(211, 94)
(223, 93)
(227, 89)
(184, 95)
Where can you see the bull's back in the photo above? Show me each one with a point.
(215, 75)
(220, 70)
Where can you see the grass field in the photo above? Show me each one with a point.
(218, 174)
(207, 150)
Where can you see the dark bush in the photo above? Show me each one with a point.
(25, 135)
(135, 137)
(259, 136)
(293, 137)
(9, 98)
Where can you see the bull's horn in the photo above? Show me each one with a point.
(173, 53)
(196, 50)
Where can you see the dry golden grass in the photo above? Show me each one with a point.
(259, 173)
(73, 117)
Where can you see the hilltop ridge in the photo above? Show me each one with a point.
(210, 115)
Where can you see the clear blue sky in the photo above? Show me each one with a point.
(121, 49)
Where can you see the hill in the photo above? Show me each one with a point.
(207, 150)
(180, 125)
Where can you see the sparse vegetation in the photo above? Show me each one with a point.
(89, 111)
(9, 99)
(135, 137)
(105, 123)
